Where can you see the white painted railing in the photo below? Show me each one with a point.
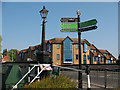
(23, 77)
(45, 66)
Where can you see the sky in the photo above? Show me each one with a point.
(21, 23)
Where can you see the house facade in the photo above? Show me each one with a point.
(64, 51)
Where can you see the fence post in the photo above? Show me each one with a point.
(29, 73)
(38, 70)
(105, 78)
(88, 77)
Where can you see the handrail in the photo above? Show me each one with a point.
(24, 77)
(37, 75)
(68, 68)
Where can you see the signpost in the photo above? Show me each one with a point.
(76, 30)
(74, 25)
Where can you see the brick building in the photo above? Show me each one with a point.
(64, 51)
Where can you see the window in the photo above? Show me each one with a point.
(58, 57)
(35, 52)
(101, 59)
(58, 46)
(67, 51)
(48, 47)
(25, 53)
(20, 56)
(98, 60)
(103, 53)
(85, 48)
(84, 59)
(108, 61)
(76, 46)
(94, 59)
(76, 57)
(88, 57)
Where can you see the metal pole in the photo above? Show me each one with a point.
(105, 77)
(12, 56)
(88, 77)
(79, 47)
(43, 36)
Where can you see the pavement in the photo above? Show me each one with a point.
(97, 79)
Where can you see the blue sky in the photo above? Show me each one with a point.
(21, 23)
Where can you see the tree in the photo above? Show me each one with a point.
(12, 53)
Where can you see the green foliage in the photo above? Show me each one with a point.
(12, 53)
(61, 81)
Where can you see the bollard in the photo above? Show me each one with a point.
(88, 77)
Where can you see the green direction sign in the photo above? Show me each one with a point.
(82, 24)
(82, 29)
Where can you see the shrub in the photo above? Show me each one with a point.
(61, 81)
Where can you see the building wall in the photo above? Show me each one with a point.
(75, 52)
(56, 51)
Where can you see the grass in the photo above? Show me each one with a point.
(61, 81)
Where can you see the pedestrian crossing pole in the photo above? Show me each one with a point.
(79, 47)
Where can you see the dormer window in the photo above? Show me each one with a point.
(93, 50)
(58, 46)
(85, 48)
(76, 46)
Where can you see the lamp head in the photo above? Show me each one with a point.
(43, 12)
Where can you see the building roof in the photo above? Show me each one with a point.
(96, 54)
(103, 51)
(32, 48)
(59, 40)
(110, 55)
(92, 47)
(6, 58)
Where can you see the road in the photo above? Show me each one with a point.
(97, 78)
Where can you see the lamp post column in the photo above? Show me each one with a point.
(79, 47)
(43, 48)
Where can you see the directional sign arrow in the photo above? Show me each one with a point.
(75, 25)
(82, 29)
(69, 20)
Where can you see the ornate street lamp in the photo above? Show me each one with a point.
(43, 12)
(43, 55)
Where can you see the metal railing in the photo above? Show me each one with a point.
(73, 74)
(101, 76)
(37, 76)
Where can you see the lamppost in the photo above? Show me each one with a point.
(43, 54)
(79, 47)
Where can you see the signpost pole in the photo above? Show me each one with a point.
(79, 47)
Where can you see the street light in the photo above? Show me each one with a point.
(79, 47)
(43, 12)
(43, 55)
